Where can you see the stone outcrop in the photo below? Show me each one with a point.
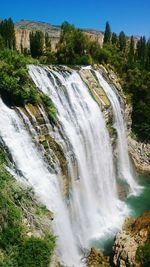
(96, 90)
(140, 154)
(133, 235)
(22, 39)
(97, 259)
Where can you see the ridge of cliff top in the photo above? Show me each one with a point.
(45, 26)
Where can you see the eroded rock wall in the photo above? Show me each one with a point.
(133, 235)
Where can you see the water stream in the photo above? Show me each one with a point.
(125, 171)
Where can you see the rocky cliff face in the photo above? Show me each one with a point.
(133, 235)
(140, 154)
(24, 27)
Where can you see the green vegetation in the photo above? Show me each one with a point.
(36, 44)
(143, 254)
(17, 203)
(73, 46)
(7, 32)
(50, 108)
(16, 87)
(107, 34)
(36, 252)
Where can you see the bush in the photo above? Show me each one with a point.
(143, 254)
(16, 87)
(36, 252)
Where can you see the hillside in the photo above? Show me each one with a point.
(24, 27)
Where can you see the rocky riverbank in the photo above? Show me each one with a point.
(134, 234)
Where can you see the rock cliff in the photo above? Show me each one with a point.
(133, 235)
(24, 27)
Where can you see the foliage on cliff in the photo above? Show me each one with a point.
(16, 86)
(17, 206)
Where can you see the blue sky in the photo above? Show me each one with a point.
(131, 16)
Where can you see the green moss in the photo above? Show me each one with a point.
(45, 144)
(42, 210)
(50, 108)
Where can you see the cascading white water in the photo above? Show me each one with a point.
(46, 185)
(119, 125)
(94, 207)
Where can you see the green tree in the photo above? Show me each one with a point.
(114, 39)
(36, 44)
(131, 53)
(73, 46)
(141, 51)
(66, 28)
(7, 31)
(122, 41)
(47, 42)
(148, 56)
(1, 43)
(107, 34)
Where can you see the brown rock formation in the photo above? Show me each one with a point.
(97, 259)
(133, 235)
(22, 39)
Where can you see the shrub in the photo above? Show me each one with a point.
(16, 87)
(143, 255)
(36, 252)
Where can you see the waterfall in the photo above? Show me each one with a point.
(91, 210)
(93, 204)
(119, 125)
(28, 160)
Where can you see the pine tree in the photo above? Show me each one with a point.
(107, 34)
(148, 56)
(122, 41)
(141, 51)
(47, 42)
(114, 38)
(1, 42)
(7, 32)
(36, 43)
(131, 54)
